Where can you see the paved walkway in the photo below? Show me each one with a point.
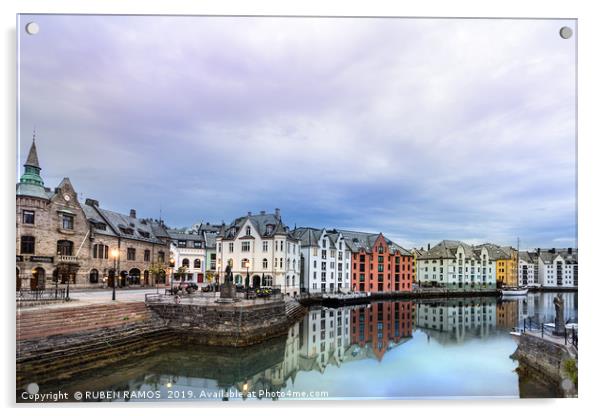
(82, 297)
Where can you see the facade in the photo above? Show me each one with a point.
(61, 241)
(190, 254)
(263, 247)
(506, 264)
(454, 264)
(416, 253)
(325, 261)
(558, 267)
(378, 264)
(526, 269)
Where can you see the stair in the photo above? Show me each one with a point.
(44, 323)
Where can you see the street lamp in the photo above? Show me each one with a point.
(248, 278)
(115, 255)
(172, 264)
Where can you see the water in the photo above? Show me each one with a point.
(392, 349)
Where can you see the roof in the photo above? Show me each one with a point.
(32, 157)
(36, 191)
(267, 225)
(178, 235)
(359, 240)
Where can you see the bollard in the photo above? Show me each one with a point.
(542, 330)
(529, 323)
(565, 335)
(525, 325)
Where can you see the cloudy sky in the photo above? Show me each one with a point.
(423, 129)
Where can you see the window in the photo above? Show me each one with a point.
(67, 222)
(248, 230)
(265, 263)
(265, 246)
(28, 244)
(198, 244)
(93, 276)
(100, 251)
(197, 263)
(231, 247)
(161, 257)
(29, 217)
(64, 248)
(246, 246)
(131, 254)
(185, 263)
(219, 248)
(146, 255)
(181, 243)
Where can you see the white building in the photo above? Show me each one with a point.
(558, 267)
(326, 260)
(262, 246)
(455, 264)
(526, 269)
(188, 251)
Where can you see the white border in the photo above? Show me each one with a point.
(590, 209)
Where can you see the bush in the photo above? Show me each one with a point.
(570, 366)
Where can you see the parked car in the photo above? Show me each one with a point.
(188, 287)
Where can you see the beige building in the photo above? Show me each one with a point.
(61, 240)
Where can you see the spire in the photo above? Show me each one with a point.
(32, 166)
(32, 158)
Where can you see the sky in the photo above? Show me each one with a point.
(422, 129)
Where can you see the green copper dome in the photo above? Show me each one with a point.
(32, 167)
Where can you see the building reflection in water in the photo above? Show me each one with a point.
(452, 321)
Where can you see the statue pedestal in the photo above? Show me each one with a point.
(227, 293)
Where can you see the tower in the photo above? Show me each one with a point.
(32, 166)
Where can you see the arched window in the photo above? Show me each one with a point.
(93, 276)
(245, 263)
(64, 248)
(248, 230)
(238, 279)
(265, 263)
(294, 264)
(185, 263)
(197, 263)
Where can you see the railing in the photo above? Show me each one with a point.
(190, 298)
(533, 324)
(66, 259)
(40, 294)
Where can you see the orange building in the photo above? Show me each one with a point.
(381, 324)
(378, 264)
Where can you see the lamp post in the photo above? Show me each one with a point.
(115, 255)
(247, 264)
(172, 264)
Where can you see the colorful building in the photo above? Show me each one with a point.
(378, 264)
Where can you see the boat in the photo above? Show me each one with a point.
(518, 291)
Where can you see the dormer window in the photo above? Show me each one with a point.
(269, 228)
(100, 226)
(144, 234)
(181, 243)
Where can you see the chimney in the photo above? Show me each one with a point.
(428, 247)
(570, 250)
(132, 213)
(553, 250)
(249, 213)
(262, 212)
(277, 212)
(538, 251)
(92, 202)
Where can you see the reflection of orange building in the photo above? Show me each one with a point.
(507, 314)
(381, 323)
(378, 264)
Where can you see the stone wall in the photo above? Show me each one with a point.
(547, 358)
(237, 324)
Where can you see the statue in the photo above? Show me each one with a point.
(559, 327)
(228, 290)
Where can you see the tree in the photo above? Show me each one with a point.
(156, 270)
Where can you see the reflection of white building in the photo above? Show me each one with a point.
(263, 246)
(452, 321)
(326, 260)
(457, 265)
(325, 338)
(558, 268)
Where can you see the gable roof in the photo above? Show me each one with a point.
(267, 225)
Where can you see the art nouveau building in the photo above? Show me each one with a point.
(262, 246)
(190, 254)
(526, 269)
(325, 260)
(455, 264)
(378, 264)
(61, 241)
(558, 268)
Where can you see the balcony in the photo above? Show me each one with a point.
(66, 259)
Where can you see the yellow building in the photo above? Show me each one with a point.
(506, 267)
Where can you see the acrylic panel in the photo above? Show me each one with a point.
(295, 208)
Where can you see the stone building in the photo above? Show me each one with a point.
(60, 240)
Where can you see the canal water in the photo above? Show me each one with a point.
(455, 348)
